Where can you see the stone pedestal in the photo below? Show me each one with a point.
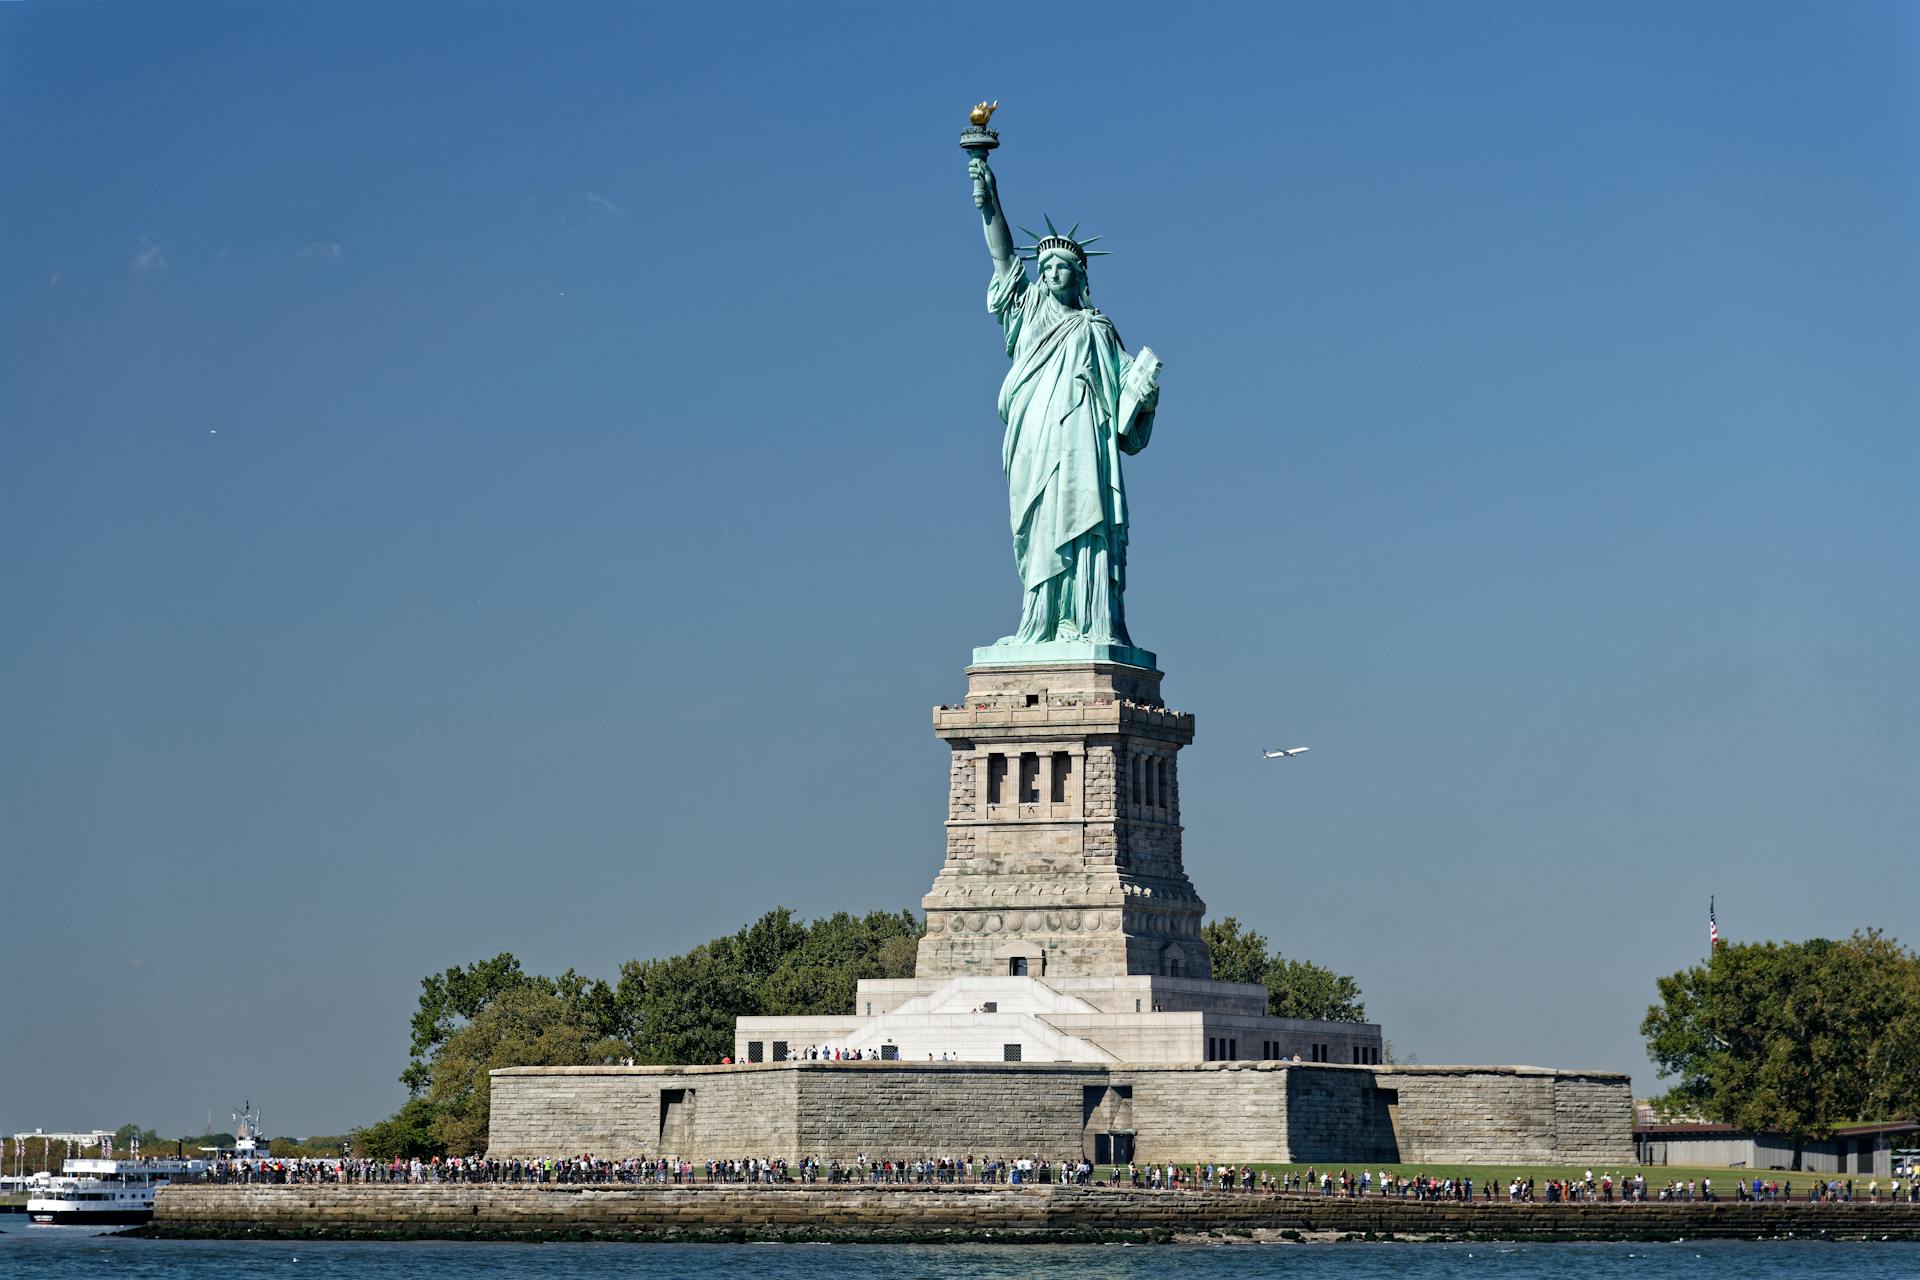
(1062, 927)
(1063, 829)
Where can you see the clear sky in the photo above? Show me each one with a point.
(481, 477)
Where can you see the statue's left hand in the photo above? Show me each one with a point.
(1143, 377)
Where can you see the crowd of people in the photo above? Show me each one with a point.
(840, 1054)
(824, 1053)
(1517, 1190)
(1029, 1170)
(318, 1169)
(634, 1171)
(1899, 1190)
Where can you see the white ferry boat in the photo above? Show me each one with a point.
(104, 1192)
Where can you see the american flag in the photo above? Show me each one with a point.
(1713, 928)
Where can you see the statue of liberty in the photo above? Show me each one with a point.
(1073, 402)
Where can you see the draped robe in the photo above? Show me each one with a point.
(1067, 425)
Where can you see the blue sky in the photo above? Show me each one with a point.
(482, 477)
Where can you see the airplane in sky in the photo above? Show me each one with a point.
(1283, 752)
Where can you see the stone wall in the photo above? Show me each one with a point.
(1589, 1113)
(1186, 1113)
(952, 1214)
(944, 1108)
(1480, 1115)
(1340, 1115)
(567, 1110)
(1262, 1112)
(691, 1112)
(961, 784)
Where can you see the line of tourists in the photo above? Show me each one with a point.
(825, 1053)
(1031, 1170)
(1517, 1190)
(1842, 1192)
(927, 1170)
(567, 1169)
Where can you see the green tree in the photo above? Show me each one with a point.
(151, 1142)
(820, 974)
(219, 1141)
(591, 1000)
(1303, 989)
(805, 990)
(404, 1135)
(667, 1011)
(451, 999)
(1295, 988)
(682, 1008)
(1795, 1037)
(899, 956)
(1239, 953)
(525, 1027)
(446, 1000)
(762, 946)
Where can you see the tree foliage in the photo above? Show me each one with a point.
(1295, 988)
(1795, 1037)
(448, 998)
(454, 998)
(150, 1140)
(401, 1136)
(1239, 953)
(1303, 989)
(477, 1017)
(523, 1027)
(681, 1009)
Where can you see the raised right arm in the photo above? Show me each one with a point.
(987, 197)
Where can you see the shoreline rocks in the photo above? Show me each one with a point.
(863, 1213)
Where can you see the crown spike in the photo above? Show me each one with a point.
(1068, 241)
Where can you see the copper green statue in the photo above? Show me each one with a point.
(1073, 403)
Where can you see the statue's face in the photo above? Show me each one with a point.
(1060, 276)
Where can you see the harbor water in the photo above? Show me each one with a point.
(57, 1253)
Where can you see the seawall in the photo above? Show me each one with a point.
(1045, 1214)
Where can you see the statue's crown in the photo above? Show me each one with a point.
(1056, 239)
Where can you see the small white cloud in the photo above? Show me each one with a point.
(150, 256)
(605, 205)
(325, 250)
(138, 962)
(53, 281)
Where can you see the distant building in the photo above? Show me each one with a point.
(1862, 1150)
